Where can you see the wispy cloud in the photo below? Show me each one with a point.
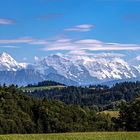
(137, 58)
(95, 55)
(6, 21)
(87, 44)
(17, 40)
(81, 28)
(67, 44)
(11, 47)
(24, 40)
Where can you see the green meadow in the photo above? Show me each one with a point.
(31, 89)
(76, 136)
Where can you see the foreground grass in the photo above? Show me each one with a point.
(76, 136)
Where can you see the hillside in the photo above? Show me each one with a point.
(44, 85)
(20, 113)
(103, 96)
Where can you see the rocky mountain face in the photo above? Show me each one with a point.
(67, 69)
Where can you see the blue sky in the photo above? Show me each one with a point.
(31, 28)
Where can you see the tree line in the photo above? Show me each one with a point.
(45, 83)
(101, 97)
(20, 113)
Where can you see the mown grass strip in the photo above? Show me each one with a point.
(76, 136)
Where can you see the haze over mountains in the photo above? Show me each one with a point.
(68, 69)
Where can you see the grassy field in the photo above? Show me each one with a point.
(111, 113)
(76, 136)
(31, 89)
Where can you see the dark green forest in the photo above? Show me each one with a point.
(22, 113)
(100, 97)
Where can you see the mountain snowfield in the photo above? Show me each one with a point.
(67, 69)
(9, 64)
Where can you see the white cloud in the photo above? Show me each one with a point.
(81, 28)
(88, 44)
(5, 21)
(67, 44)
(109, 55)
(38, 42)
(17, 40)
(12, 47)
(95, 55)
(88, 41)
(78, 52)
(26, 40)
(63, 40)
(138, 58)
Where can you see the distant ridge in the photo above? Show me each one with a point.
(69, 70)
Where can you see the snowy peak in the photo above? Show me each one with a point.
(104, 68)
(54, 63)
(86, 69)
(9, 64)
(79, 69)
(6, 58)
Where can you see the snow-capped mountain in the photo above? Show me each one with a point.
(9, 64)
(68, 69)
(87, 69)
(12, 72)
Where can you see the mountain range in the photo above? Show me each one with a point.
(68, 69)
